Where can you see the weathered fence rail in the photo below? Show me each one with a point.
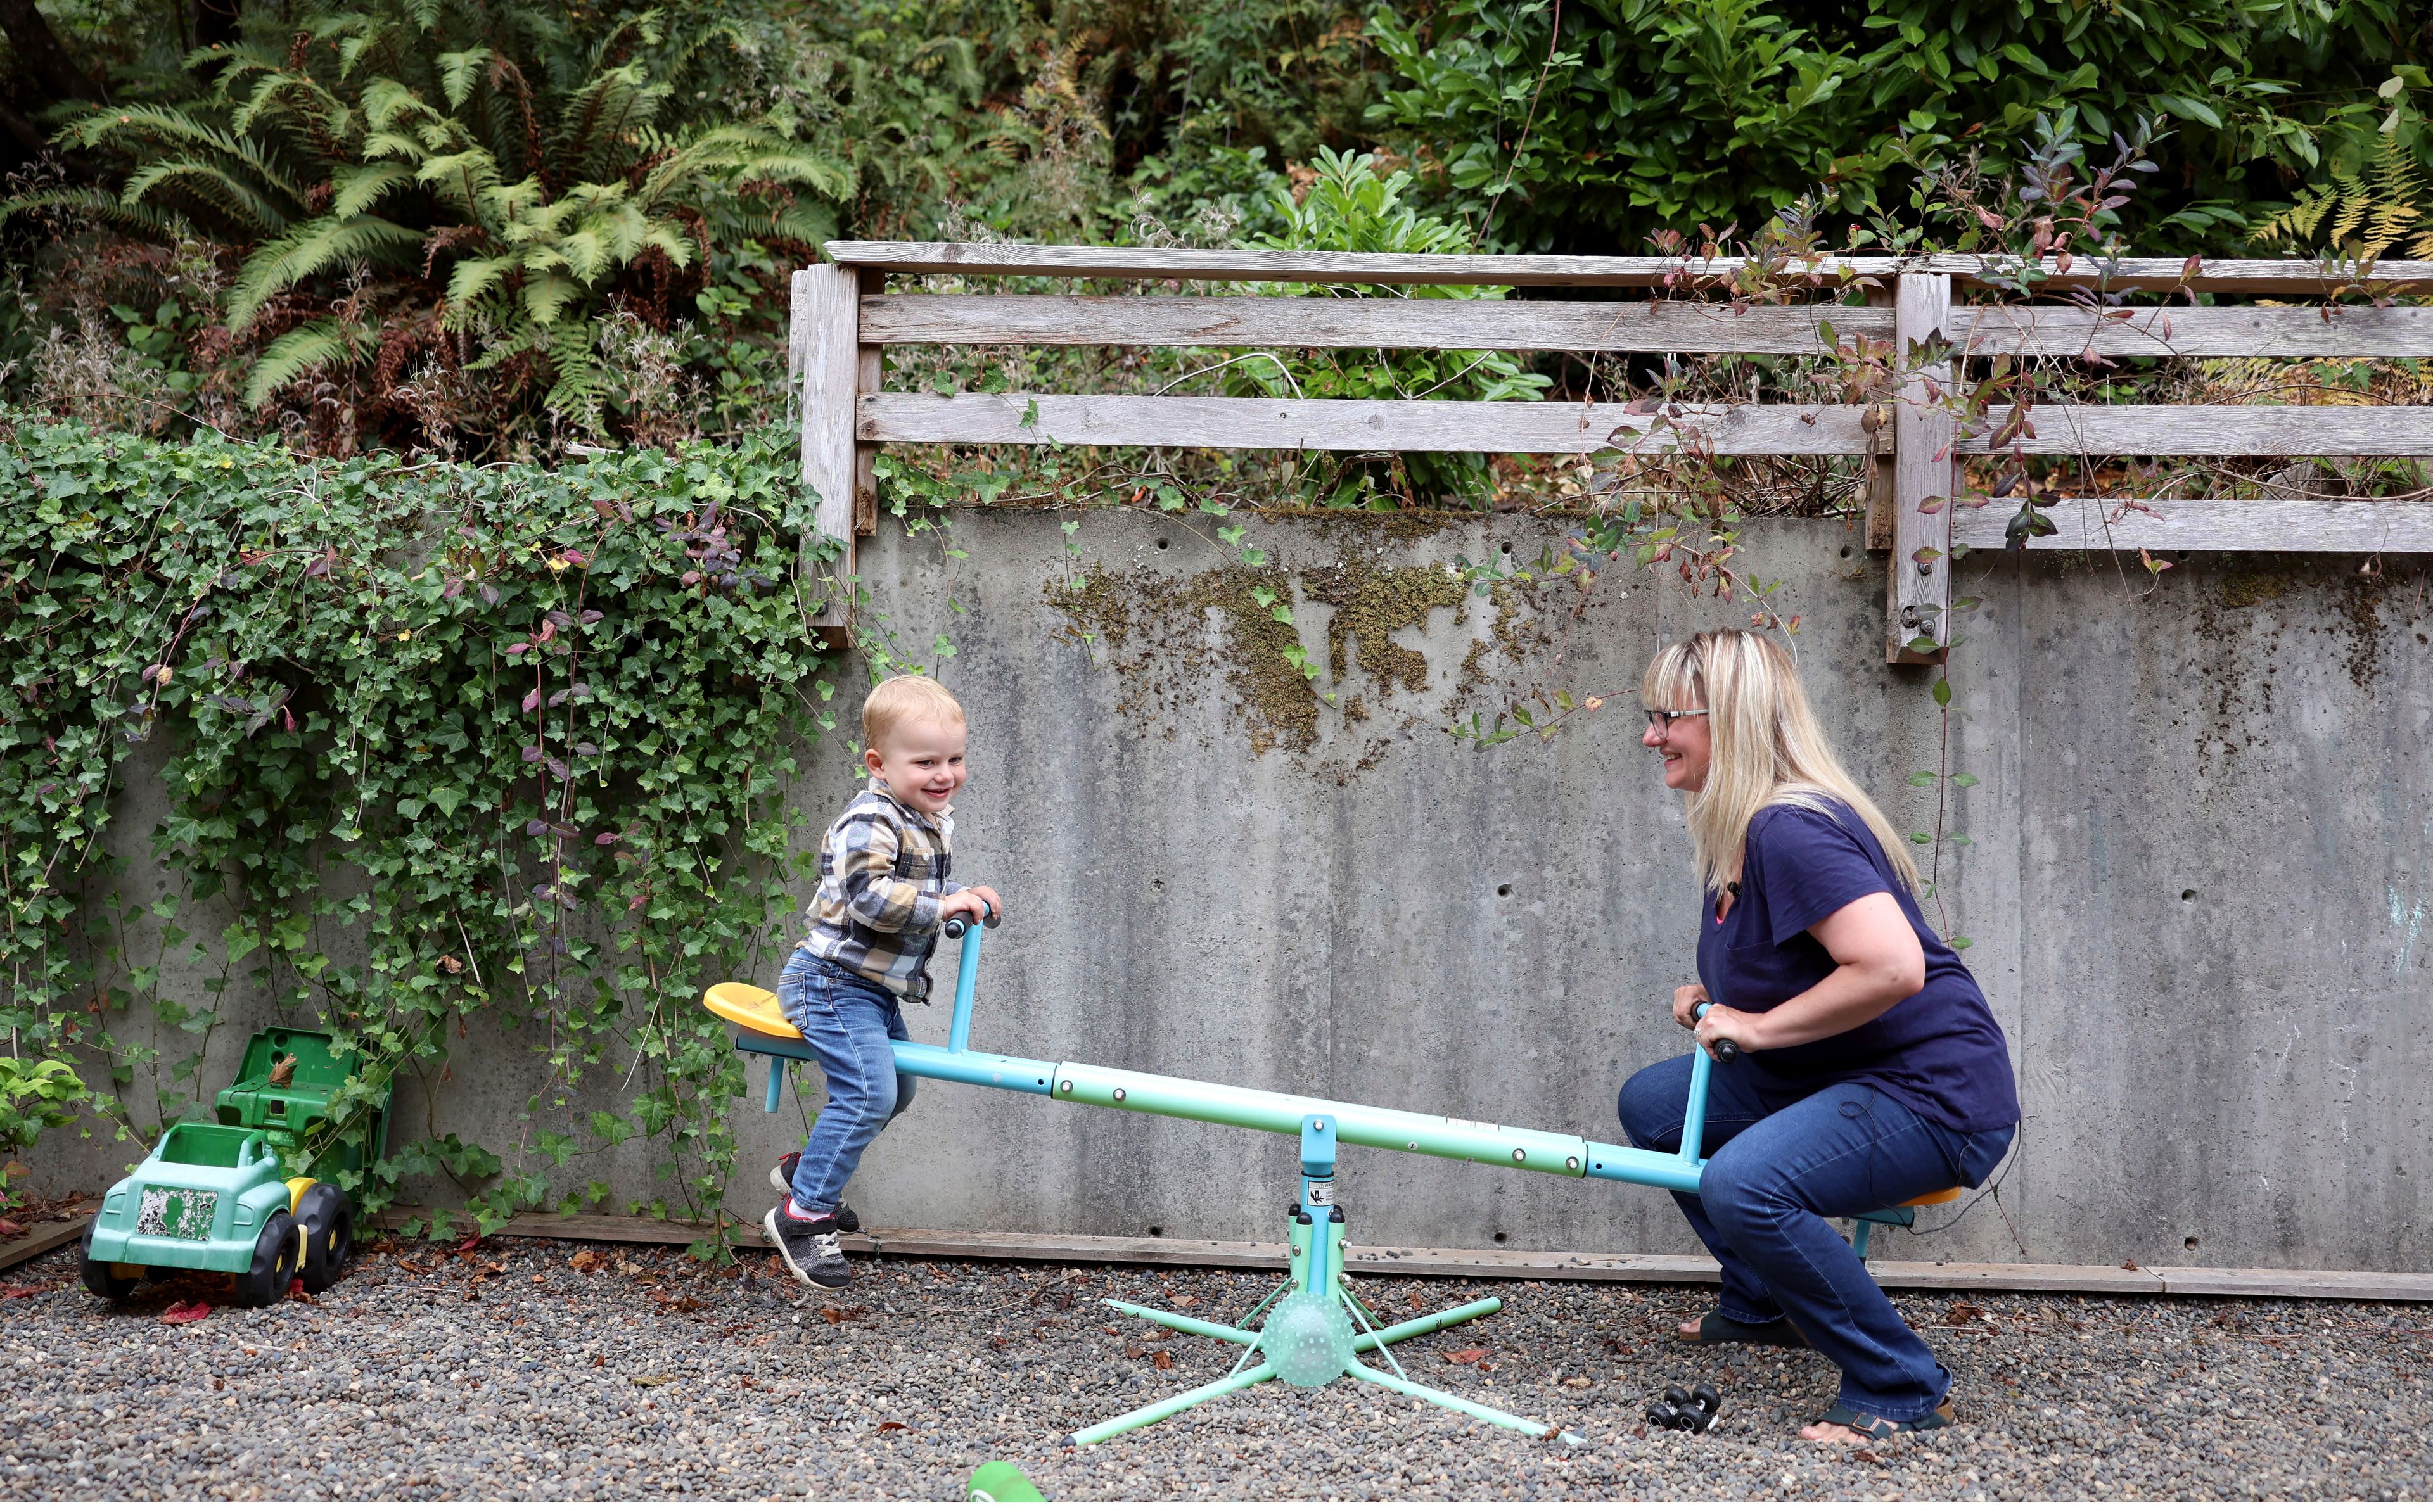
(844, 318)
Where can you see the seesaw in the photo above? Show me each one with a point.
(1316, 1330)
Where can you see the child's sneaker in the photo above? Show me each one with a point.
(809, 1247)
(781, 1176)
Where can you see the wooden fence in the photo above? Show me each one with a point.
(844, 318)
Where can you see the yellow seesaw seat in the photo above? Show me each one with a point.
(750, 1008)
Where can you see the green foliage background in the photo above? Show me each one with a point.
(543, 720)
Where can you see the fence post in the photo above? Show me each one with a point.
(825, 348)
(1917, 599)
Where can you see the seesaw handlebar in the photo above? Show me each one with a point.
(1725, 1051)
(954, 927)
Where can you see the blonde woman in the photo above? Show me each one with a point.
(1873, 1071)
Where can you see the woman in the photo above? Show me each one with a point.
(1873, 1071)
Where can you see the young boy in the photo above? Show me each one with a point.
(882, 897)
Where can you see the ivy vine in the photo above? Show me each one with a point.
(442, 744)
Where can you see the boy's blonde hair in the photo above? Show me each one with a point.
(1767, 747)
(899, 698)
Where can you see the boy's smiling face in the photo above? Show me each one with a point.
(921, 761)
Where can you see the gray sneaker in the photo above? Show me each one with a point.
(813, 1249)
(781, 1176)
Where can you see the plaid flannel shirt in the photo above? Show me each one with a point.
(882, 869)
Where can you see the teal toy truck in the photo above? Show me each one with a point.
(218, 1197)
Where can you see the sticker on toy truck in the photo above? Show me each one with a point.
(175, 1213)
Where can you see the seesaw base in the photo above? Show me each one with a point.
(1315, 1329)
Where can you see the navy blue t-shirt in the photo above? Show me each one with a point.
(1939, 1053)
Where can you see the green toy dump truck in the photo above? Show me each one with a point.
(217, 1197)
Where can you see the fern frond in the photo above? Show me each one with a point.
(547, 296)
(214, 185)
(312, 247)
(357, 189)
(473, 278)
(305, 349)
(100, 204)
(460, 72)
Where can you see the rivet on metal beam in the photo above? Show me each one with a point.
(1065, 1085)
(1119, 1094)
(1519, 1154)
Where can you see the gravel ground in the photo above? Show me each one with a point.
(539, 1370)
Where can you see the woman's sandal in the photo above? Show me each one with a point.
(1868, 1425)
(1716, 1329)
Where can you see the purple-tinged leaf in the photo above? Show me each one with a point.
(451, 587)
(489, 595)
(561, 619)
(557, 768)
(518, 647)
(592, 616)
(532, 754)
(534, 828)
(608, 837)
(531, 701)
(586, 748)
(581, 690)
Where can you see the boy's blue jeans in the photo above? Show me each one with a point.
(1773, 1171)
(849, 1023)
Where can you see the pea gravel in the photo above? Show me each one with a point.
(541, 1370)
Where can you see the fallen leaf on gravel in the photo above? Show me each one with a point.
(186, 1312)
(891, 1428)
(1187, 1301)
(587, 1261)
(1866, 1456)
(9, 1229)
(1963, 1312)
(1576, 1382)
(1465, 1357)
(1162, 1360)
(12, 1293)
(1133, 1351)
(652, 1380)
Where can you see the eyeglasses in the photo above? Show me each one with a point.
(1660, 719)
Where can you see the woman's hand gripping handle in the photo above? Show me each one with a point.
(1690, 1009)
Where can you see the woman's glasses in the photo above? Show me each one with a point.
(1660, 719)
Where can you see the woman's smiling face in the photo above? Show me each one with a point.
(1684, 743)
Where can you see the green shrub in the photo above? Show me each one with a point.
(1648, 114)
(438, 202)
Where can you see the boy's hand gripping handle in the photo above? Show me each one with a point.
(954, 927)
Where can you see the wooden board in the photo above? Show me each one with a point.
(1356, 425)
(2181, 330)
(822, 341)
(2282, 276)
(1257, 320)
(2354, 525)
(1917, 574)
(2216, 430)
(40, 1240)
(1486, 1265)
(1636, 325)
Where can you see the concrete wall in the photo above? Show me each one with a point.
(2199, 865)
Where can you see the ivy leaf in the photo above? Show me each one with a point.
(447, 799)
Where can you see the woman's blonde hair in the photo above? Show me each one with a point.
(1767, 747)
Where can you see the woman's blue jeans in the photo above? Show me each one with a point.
(850, 1024)
(1776, 1170)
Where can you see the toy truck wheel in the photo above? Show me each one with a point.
(328, 1215)
(274, 1263)
(99, 1277)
